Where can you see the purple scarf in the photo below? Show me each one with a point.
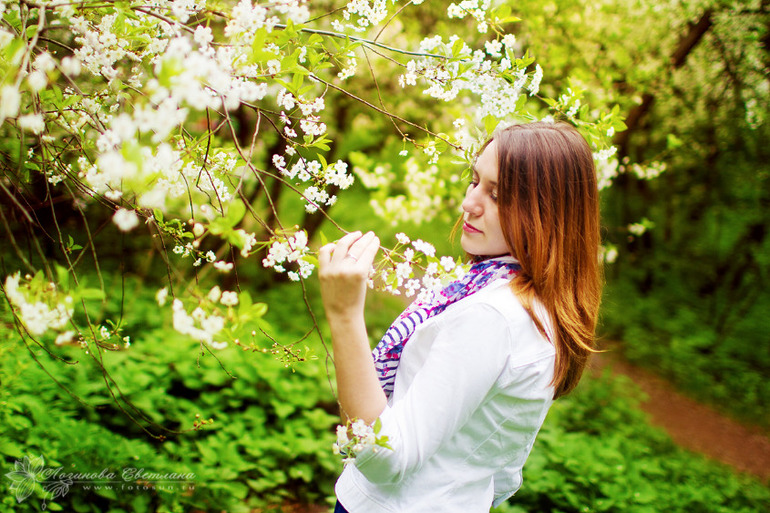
(387, 354)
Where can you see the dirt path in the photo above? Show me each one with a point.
(694, 426)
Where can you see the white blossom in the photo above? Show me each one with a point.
(37, 80)
(494, 48)
(637, 229)
(534, 84)
(161, 296)
(229, 298)
(38, 316)
(424, 247)
(447, 263)
(10, 101)
(199, 325)
(214, 294)
(223, 267)
(64, 338)
(70, 66)
(125, 220)
(32, 122)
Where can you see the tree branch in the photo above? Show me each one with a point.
(678, 58)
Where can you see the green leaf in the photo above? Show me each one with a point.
(236, 237)
(91, 294)
(30, 32)
(310, 259)
(62, 276)
(235, 212)
(490, 123)
(258, 53)
(13, 48)
(673, 142)
(441, 144)
(244, 301)
(105, 492)
(258, 309)
(457, 47)
(508, 19)
(520, 102)
(297, 80)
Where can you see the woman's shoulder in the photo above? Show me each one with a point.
(496, 297)
(497, 308)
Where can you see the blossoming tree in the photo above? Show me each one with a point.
(195, 120)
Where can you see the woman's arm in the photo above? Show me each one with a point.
(343, 271)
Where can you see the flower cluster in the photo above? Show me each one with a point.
(607, 168)
(498, 85)
(421, 200)
(320, 175)
(364, 13)
(608, 253)
(247, 17)
(398, 272)
(476, 8)
(125, 220)
(650, 171)
(40, 306)
(170, 112)
(207, 319)
(606, 172)
(355, 437)
(570, 102)
(638, 229)
(290, 250)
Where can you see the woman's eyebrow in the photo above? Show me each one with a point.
(475, 171)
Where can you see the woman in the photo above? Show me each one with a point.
(487, 355)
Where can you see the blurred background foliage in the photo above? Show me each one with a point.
(687, 297)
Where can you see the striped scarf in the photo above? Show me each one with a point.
(387, 353)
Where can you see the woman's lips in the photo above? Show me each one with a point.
(470, 229)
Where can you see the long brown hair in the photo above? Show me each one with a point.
(548, 203)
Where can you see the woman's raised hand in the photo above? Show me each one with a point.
(344, 270)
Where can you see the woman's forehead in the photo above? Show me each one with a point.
(485, 163)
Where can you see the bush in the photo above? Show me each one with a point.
(597, 452)
(669, 333)
(270, 440)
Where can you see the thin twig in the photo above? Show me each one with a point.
(361, 40)
(382, 111)
(385, 25)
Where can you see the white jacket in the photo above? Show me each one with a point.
(471, 392)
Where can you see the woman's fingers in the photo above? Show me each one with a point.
(370, 251)
(353, 254)
(343, 246)
(356, 250)
(352, 246)
(325, 253)
(343, 270)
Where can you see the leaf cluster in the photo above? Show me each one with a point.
(256, 432)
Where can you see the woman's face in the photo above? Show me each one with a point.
(482, 233)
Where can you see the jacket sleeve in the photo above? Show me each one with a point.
(466, 358)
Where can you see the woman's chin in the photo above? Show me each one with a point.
(467, 245)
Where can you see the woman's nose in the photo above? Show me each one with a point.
(471, 203)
